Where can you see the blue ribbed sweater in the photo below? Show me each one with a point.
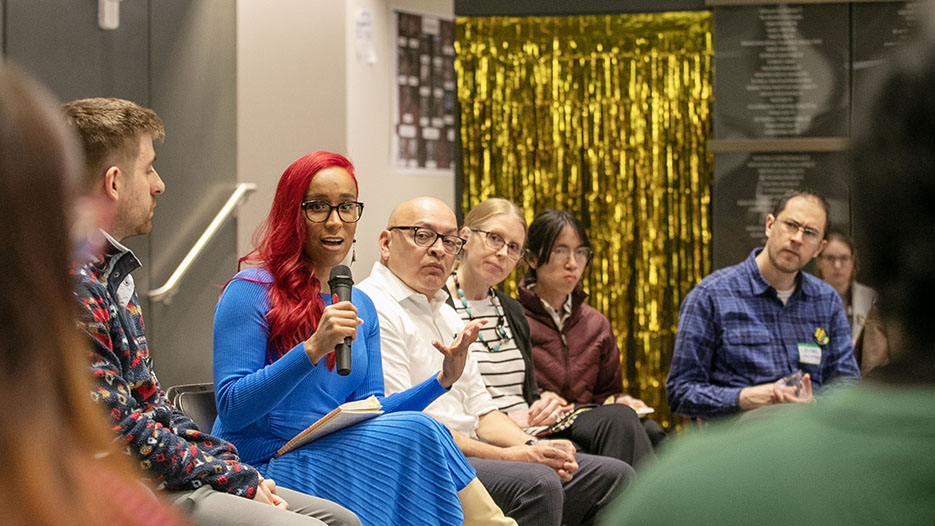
(261, 405)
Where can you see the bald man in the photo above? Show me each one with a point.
(544, 482)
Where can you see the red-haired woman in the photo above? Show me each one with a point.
(275, 331)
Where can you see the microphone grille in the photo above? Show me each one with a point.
(341, 272)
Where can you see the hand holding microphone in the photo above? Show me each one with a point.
(340, 284)
(337, 327)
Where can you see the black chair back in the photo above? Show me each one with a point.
(197, 402)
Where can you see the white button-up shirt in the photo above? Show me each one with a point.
(409, 322)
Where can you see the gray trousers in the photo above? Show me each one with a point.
(534, 495)
(207, 507)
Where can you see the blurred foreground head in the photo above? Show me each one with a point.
(51, 436)
(893, 188)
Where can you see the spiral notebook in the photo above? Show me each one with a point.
(568, 419)
(345, 415)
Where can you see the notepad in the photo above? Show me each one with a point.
(345, 415)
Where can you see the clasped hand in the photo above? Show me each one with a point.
(786, 394)
(266, 493)
(456, 354)
(766, 394)
(631, 402)
(557, 454)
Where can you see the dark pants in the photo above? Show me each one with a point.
(534, 495)
(655, 432)
(612, 430)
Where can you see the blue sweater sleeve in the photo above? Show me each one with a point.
(246, 386)
(416, 398)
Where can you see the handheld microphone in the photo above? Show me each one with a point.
(340, 283)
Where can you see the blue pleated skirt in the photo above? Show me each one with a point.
(397, 469)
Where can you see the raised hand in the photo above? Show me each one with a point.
(456, 354)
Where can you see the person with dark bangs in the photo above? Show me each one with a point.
(573, 345)
(275, 331)
(495, 230)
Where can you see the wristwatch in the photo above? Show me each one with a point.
(532, 441)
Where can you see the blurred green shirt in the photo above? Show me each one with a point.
(865, 455)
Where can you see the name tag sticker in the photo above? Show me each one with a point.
(809, 353)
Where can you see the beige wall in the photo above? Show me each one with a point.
(290, 93)
(301, 87)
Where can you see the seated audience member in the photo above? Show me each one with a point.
(536, 482)
(863, 456)
(574, 348)
(873, 347)
(745, 327)
(495, 231)
(275, 331)
(60, 465)
(202, 474)
(838, 265)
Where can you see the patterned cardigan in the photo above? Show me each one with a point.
(168, 444)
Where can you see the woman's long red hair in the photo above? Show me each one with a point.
(295, 304)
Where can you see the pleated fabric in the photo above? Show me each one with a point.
(360, 468)
(400, 468)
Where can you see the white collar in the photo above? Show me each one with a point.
(398, 289)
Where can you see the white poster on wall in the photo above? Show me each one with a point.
(424, 87)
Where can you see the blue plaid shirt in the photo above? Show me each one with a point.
(734, 332)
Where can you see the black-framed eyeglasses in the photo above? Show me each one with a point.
(320, 211)
(496, 242)
(582, 255)
(426, 237)
(790, 228)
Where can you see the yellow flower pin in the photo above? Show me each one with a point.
(821, 336)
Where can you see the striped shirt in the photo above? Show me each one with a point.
(502, 369)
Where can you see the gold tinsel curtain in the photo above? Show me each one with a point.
(605, 117)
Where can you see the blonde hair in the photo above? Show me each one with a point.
(487, 210)
(495, 206)
(835, 235)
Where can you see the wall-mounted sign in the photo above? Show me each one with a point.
(781, 71)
